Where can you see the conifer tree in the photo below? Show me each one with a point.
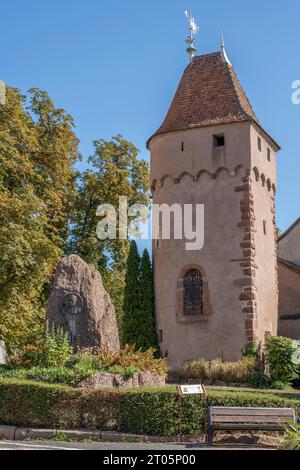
(131, 306)
(148, 338)
(139, 320)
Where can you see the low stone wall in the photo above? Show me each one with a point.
(139, 379)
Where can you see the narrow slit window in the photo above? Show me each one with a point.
(182, 146)
(269, 155)
(160, 335)
(265, 227)
(259, 143)
(219, 140)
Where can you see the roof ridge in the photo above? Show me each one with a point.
(289, 229)
(290, 264)
(236, 83)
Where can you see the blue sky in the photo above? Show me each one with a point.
(115, 65)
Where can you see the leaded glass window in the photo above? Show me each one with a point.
(193, 293)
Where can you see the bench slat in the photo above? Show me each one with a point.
(217, 411)
(238, 418)
(250, 427)
(250, 419)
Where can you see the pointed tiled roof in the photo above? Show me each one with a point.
(209, 93)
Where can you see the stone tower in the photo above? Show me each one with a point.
(212, 150)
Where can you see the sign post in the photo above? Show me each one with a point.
(191, 390)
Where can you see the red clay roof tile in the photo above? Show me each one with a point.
(209, 93)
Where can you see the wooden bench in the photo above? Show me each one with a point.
(252, 419)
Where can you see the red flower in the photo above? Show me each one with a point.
(17, 358)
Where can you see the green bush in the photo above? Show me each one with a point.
(57, 347)
(127, 372)
(158, 411)
(279, 358)
(292, 438)
(239, 371)
(53, 363)
(59, 375)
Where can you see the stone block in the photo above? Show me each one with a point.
(7, 432)
(129, 382)
(81, 306)
(148, 379)
(2, 353)
(99, 380)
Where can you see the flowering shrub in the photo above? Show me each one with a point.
(54, 362)
(28, 356)
(130, 357)
(53, 352)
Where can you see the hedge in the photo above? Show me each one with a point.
(141, 411)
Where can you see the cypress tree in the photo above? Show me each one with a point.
(148, 337)
(131, 307)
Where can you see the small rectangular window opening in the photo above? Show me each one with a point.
(269, 155)
(265, 227)
(259, 143)
(160, 336)
(182, 146)
(219, 140)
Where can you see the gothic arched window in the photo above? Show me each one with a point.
(193, 293)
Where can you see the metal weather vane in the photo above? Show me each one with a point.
(191, 49)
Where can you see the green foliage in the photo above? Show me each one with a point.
(147, 336)
(84, 359)
(157, 411)
(239, 371)
(38, 149)
(115, 170)
(57, 347)
(291, 437)
(57, 374)
(43, 212)
(27, 356)
(52, 362)
(126, 372)
(260, 379)
(138, 323)
(131, 323)
(54, 351)
(250, 351)
(130, 357)
(279, 358)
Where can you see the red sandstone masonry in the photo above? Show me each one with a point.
(247, 262)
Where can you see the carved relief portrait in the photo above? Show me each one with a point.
(71, 304)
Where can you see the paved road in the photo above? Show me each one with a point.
(53, 445)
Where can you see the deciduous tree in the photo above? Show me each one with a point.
(38, 149)
(115, 170)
